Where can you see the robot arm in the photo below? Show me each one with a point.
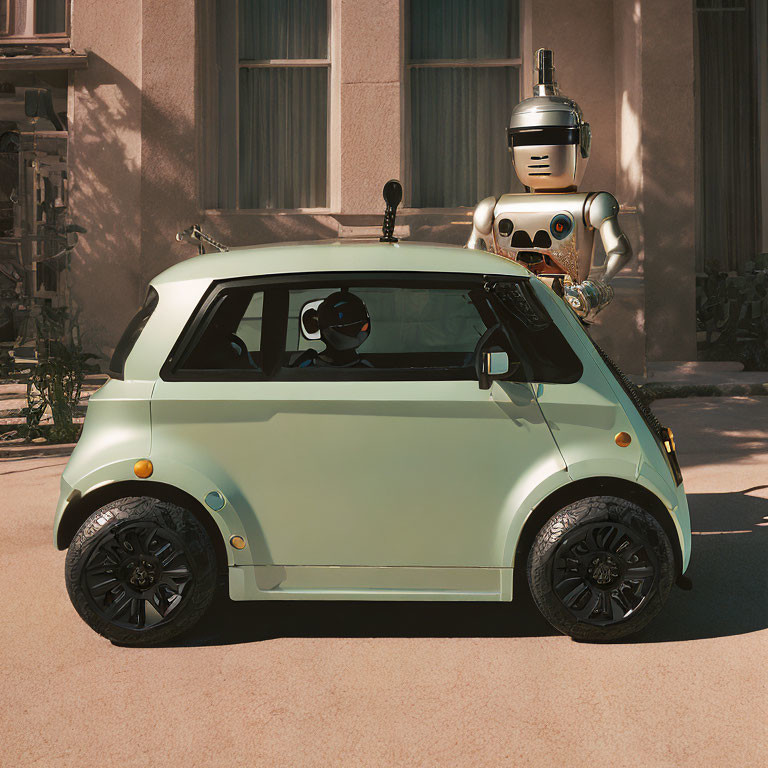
(602, 213)
(481, 238)
(591, 296)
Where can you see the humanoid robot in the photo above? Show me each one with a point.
(344, 324)
(551, 228)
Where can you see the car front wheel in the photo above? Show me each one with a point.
(600, 568)
(140, 571)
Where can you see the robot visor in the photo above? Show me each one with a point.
(547, 135)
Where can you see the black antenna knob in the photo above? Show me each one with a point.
(393, 194)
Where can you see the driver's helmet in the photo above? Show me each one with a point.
(343, 320)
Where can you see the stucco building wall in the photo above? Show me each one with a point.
(137, 156)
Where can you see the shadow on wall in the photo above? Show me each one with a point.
(134, 163)
(104, 161)
(730, 583)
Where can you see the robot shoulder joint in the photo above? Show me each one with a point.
(482, 219)
(601, 206)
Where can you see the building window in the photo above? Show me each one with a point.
(732, 142)
(267, 113)
(26, 19)
(463, 75)
(5, 17)
(50, 17)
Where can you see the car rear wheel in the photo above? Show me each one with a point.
(600, 569)
(140, 571)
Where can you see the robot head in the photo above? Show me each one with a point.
(343, 321)
(547, 136)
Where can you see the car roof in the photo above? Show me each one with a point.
(339, 256)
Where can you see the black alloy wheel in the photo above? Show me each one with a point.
(137, 575)
(600, 568)
(604, 572)
(141, 570)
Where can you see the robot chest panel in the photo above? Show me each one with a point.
(544, 232)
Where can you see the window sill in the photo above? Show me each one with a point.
(221, 212)
(438, 211)
(42, 39)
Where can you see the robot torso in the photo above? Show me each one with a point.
(546, 232)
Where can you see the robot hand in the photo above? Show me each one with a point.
(588, 298)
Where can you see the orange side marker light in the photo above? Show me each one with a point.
(143, 468)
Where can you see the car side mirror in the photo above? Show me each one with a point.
(494, 365)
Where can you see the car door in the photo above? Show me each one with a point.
(402, 460)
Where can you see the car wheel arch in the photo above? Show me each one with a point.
(581, 489)
(81, 507)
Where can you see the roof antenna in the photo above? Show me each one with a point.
(393, 194)
(194, 234)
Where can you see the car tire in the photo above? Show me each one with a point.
(600, 569)
(141, 571)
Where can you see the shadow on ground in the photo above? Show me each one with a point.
(731, 428)
(728, 569)
(730, 596)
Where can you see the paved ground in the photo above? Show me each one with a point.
(440, 685)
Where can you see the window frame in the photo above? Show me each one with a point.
(9, 33)
(408, 64)
(201, 316)
(5, 19)
(282, 64)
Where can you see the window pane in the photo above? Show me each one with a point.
(729, 149)
(50, 16)
(229, 337)
(131, 335)
(283, 29)
(410, 329)
(4, 17)
(249, 327)
(719, 4)
(465, 29)
(458, 140)
(283, 137)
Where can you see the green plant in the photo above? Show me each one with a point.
(732, 314)
(56, 381)
(59, 379)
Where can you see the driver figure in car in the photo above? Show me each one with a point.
(344, 324)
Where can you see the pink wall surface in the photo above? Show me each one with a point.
(105, 168)
(136, 153)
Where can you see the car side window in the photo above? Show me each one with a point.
(367, 327)
(368, 331)
(131, 335)
(229, 336)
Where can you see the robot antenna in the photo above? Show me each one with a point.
(393, 194)
(544, 63)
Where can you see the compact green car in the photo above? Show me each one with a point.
(366, 421)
